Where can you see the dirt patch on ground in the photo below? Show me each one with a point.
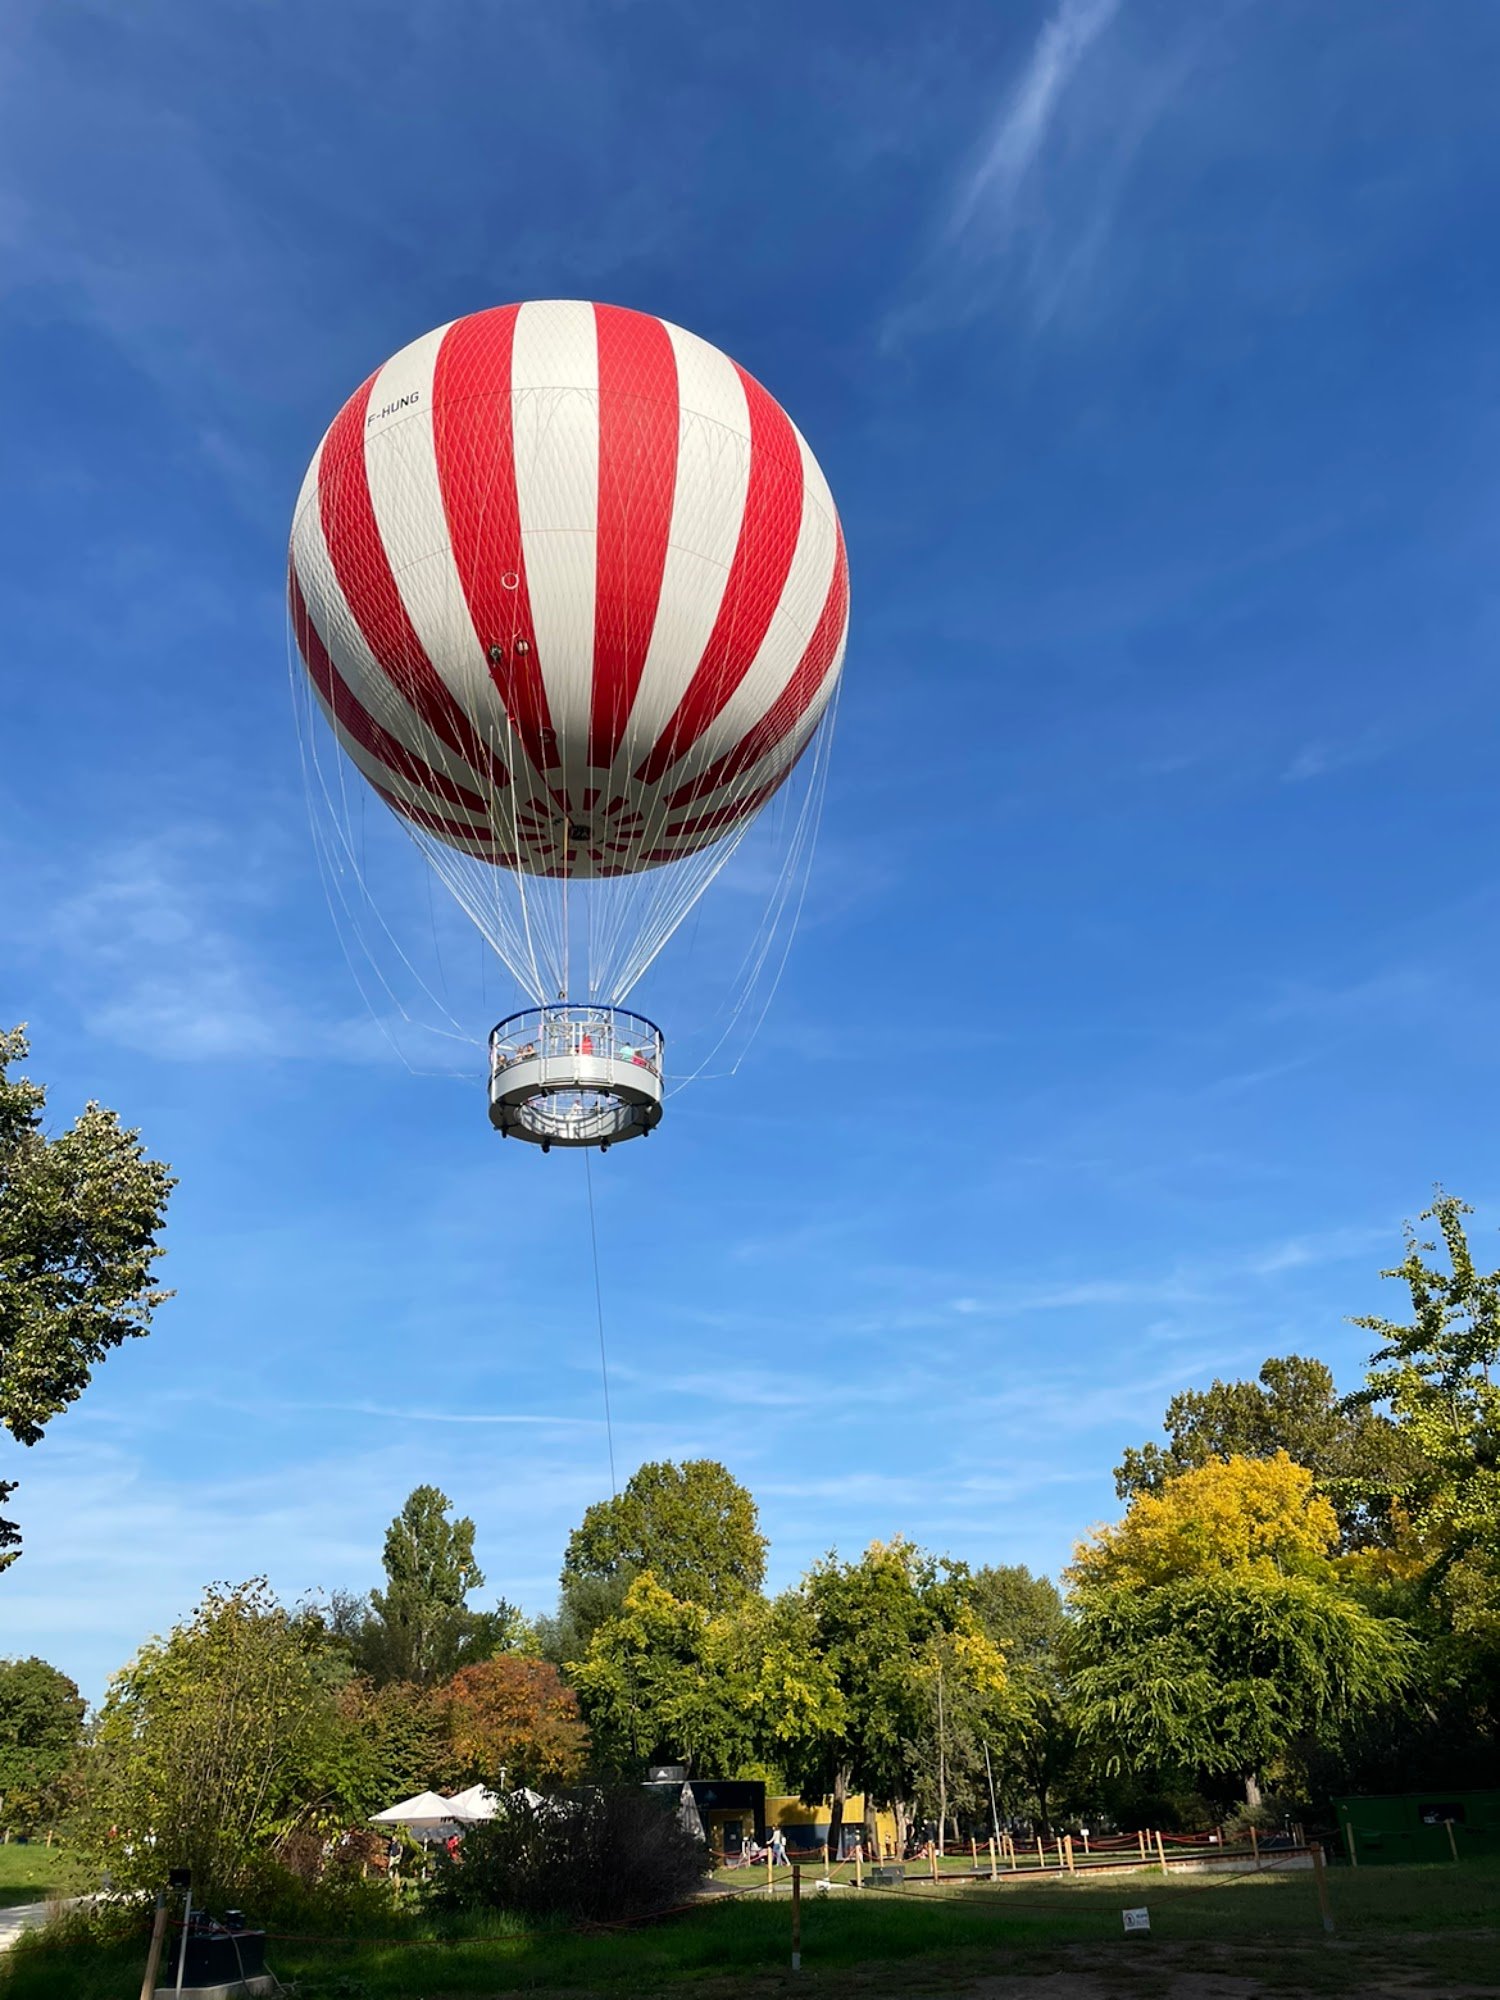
(1448, 1966)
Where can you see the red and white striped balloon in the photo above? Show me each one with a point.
(570, 587)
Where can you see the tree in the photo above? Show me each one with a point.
(666, 1680)
(692, 1525)
(1292, 1407)
(1437, 1374)
(1213, 1634)
(1222, 1515)
(1227, 1673)
(79, 1219)
(873, 1623)
(513, 1722)
(1436, 1377)
(215, 1744)
(420, 1625)
(1032, 1755)
(41, 1720)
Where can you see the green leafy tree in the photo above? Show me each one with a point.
(666, 1680)
(873, 1623)
(80, 1215)
(1228, 1675)
(1437, 1376)
(215, 1744)
(41, 1721)
(1292, 1407)
(420, 1626)
(1214, 1634)
(1033, 1754)
(692, 1525)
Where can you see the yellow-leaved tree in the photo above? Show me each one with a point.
(1215, 1638)
(1230, 1514)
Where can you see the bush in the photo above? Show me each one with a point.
(593, 1856)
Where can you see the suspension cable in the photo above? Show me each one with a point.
(609, 1432)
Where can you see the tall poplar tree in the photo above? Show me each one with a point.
(80, 1215)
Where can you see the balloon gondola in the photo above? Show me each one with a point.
(570, 590)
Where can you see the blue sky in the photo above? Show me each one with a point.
(1145, 982)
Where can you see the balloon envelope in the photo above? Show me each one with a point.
(570, 588)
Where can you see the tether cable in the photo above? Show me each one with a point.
(609, 1429)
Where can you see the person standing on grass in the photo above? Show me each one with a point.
(778, 1848)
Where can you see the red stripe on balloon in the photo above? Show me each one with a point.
(769, 529)
(473, 437)
(720, 820)
(789, 707)
(364, 575)
(356, 721)
(453, 831)
(638, 431)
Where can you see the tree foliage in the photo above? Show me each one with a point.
(605, 1855)
(1226, 1673)
(515, 1719)
(421, 1628)
(80, 1215)
(215, 1743)
(1292, 1407)
(1225, 1514)
(666, 1680)
(41, 1720)
(692, 1525)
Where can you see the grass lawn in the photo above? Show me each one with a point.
(1439, 1924)
(31, 1872)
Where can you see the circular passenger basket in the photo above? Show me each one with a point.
(571, 1075)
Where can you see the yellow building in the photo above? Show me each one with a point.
(806, 1828)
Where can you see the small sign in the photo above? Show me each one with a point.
(1137, 1920)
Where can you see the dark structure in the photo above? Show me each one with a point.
(732, 1810)
(1420, 1826)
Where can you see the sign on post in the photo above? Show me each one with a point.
(1137, 1922)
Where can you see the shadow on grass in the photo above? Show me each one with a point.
(1437, 1922)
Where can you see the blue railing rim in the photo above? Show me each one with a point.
(591, 1006)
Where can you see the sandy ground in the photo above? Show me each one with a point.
(21, 1917)
(1411, 1968)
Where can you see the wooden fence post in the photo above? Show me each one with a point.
(153, 1951)
(1254, 1844)
(1320, 1876)
(1068, 1845)
(1041, 1859)
(796, 1916)
(1452, 1840)
(1161, 1851)
(932, 1850)
(994, 1869)
(770, 1871)
(1141, 1837)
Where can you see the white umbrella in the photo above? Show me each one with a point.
(427, 1809)
(478, 1802)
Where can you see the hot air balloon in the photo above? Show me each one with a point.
(571, 592)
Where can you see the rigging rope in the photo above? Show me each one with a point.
(609, 1431)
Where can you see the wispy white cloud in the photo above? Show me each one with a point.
(1030, 216)
(987, 194)
(1322, 759)
(157, 941)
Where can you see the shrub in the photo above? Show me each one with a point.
(593, 1856)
